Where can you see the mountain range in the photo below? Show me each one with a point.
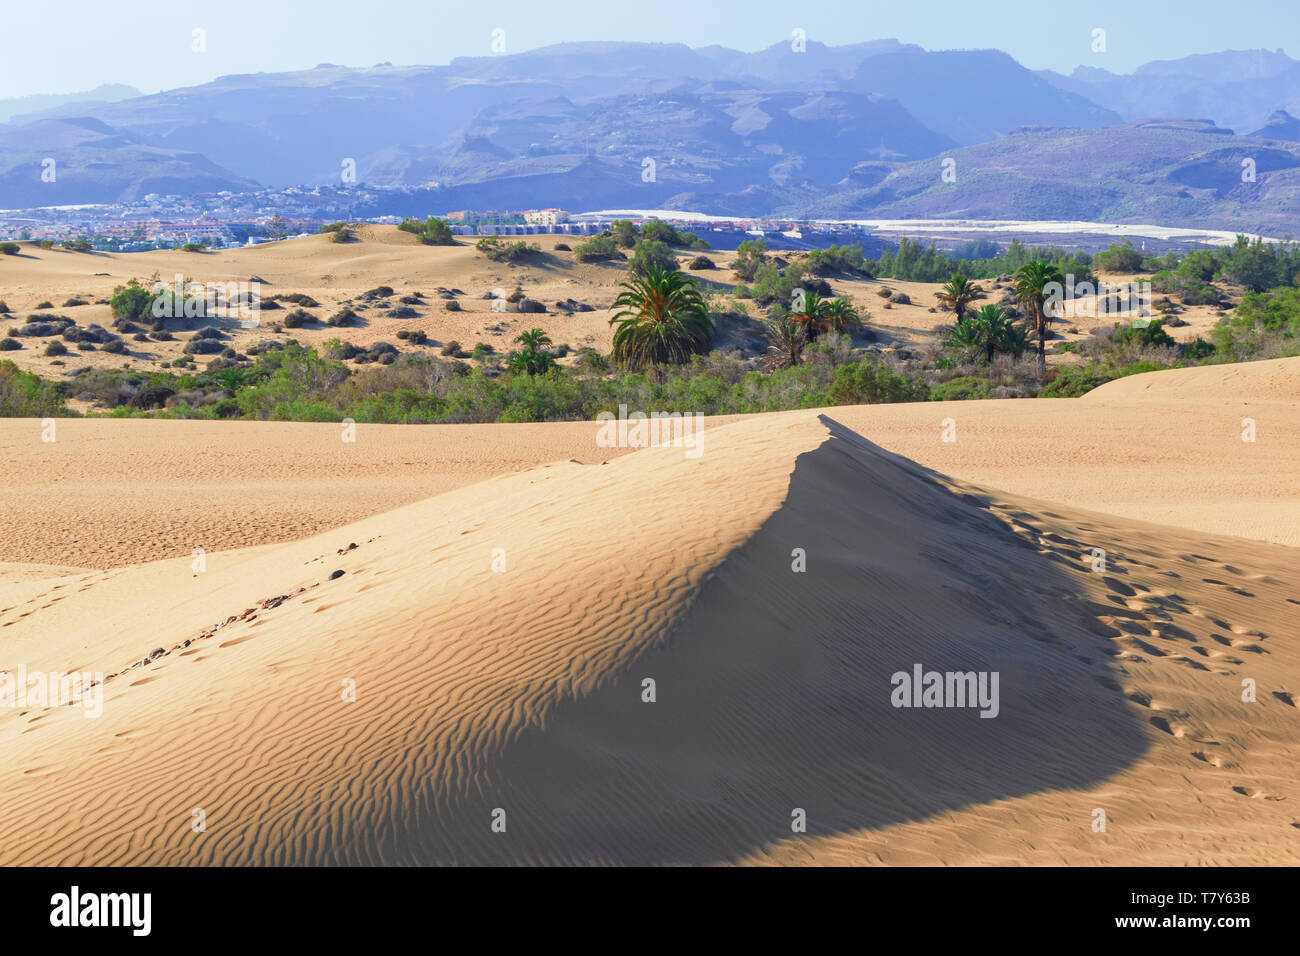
(848, 131)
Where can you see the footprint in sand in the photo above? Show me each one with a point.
(1149, 648)
(1256, 793)
(1246, 646)
(1284, 697)
(1176, 728)
(1225, 658)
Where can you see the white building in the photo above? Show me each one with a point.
(545, 217)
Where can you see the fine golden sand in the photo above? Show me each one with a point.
(515, 594)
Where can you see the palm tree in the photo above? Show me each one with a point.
(957, 293)
(840, 315)
(1031, 282)
(788, 339)
(991, 330)
(662, 318)
(534, 339)
(531, 358)
(810, 314)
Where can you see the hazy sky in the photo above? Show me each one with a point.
(59, 47)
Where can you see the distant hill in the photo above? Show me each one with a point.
(409, 124)
(1236, 88)
(25, 105)
(1158, 171)
(1280, 125)
(975, 95)
(95, 163)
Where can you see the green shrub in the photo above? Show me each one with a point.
(597, 249)
(27, 395)
(132, 302)
(652, 254)
(1150, 335)
(432, 232)
(1071, 381)
(962, 388)
(750, 254)
(1118, 258)
(869, 383)
(498, 251)
(297, 298)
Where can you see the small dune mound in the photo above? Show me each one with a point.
(1275, 380)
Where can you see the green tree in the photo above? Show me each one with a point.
(809, 310)
(1031, 282)
(957, 293)
(625, 232)
(652, 254)
(991, 330)
(534, 339)
(532, 358)
(750, 254)
(1254, 264)
(788, 339)
(132, 301)
(662, 318)
(436, 232)
(277, 228)
(839, 315)
(1120, 257)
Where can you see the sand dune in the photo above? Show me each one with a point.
(519, 687)
(110, 492)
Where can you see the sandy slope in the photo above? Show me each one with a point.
(1158, 447)
(521, 689)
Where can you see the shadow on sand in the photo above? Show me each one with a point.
(774, 690)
